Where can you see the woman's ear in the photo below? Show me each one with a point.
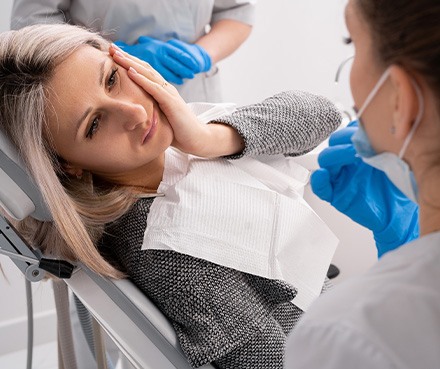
(404, 100)
(72, 170)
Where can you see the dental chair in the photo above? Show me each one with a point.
(138, 328)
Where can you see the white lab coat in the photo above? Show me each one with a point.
(185, 20)
(387, 318)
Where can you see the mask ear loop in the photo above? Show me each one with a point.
(373, 92)
(417, 120)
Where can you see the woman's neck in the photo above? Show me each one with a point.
(145, 179)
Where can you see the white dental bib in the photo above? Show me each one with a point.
(246, 214)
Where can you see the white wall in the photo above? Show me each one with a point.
(295, 44)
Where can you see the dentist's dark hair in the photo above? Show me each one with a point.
(406, 33)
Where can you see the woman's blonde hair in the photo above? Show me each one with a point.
(80, 208)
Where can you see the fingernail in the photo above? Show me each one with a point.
(118, 53)
(132, 70)
(115, 46)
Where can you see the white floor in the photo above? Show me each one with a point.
(44, 357)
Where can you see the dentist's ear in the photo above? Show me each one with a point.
(404, 100)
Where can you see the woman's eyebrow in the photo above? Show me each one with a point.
(89, 109)
(101, 72)
(83, 117)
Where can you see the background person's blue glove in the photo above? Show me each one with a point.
(171, 62)
(363, 193)
(198, 53)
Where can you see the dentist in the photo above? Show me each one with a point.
(384, 173)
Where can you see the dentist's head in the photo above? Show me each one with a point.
(395, 83)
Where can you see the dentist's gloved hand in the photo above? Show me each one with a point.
(173, 63)
(364, 193)
(197, 52)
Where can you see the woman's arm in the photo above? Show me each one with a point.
(291, 122)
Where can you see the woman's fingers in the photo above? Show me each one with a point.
(145, 76)
(126, 60)
(158, 90)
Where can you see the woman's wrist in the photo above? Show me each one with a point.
(219, 140)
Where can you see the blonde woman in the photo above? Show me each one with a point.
(94, 127)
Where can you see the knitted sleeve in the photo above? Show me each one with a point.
(291, 122)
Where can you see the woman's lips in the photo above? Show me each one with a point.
(151, 130)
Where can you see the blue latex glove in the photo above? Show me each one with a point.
(198, 53)
(173, 63)
(363, 193)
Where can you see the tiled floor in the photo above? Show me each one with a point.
(44, 357)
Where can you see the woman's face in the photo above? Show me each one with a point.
(365, 72)
(103, 122)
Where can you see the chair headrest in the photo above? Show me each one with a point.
(19, 196)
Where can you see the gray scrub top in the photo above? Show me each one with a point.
(186, 20)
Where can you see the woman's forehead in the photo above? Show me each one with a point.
(75, 82)
(80, 71)
(85, 58)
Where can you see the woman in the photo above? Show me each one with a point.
(171, 36)
(389, 317)
(94, 126)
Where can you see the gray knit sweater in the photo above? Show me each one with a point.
(221, 315)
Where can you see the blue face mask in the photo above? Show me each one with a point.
(396, 169)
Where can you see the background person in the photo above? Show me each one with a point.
(182, 40)
(388, 317)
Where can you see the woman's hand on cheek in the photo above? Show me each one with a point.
(190, 135)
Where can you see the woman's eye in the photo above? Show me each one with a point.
(93, 128)
(113, 78)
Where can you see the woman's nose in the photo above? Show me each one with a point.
(131, 115)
